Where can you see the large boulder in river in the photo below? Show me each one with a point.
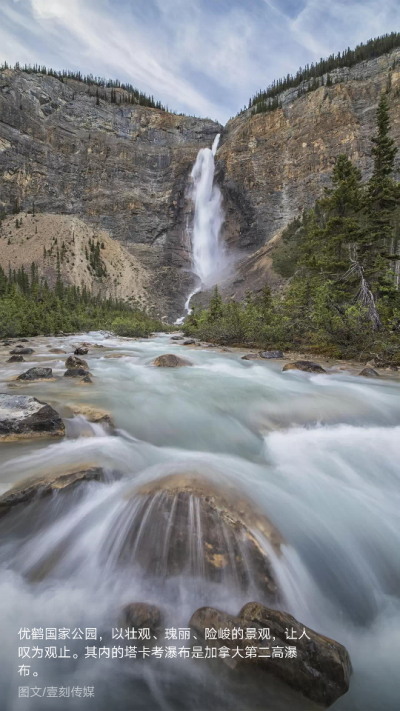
(313, 665)
(40, 486)
(306, 365)
(36, 374)
(16, 359)
(25, 417)
(20, 350)
(170, 361)
(206, 531)
(75, 362)
(80, 351)
(251, 356)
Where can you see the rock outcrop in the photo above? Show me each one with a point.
(24, 417)
(320, 671)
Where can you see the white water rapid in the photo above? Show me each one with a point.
(208, 254)
(320, 454)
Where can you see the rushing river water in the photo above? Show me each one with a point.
(319, 453)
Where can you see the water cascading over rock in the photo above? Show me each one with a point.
(185, 524)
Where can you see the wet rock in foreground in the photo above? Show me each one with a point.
(24, 417)
(185, 524)
(139, 615)
(169, 360)
(36, 374)
(306, 365)
(320, 671)
(40, 486)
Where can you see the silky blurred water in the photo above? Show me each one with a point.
(320, 454)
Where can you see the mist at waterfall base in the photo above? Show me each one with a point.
(209, 259)
(320, 454)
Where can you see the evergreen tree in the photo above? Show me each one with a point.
(383, 199)
(215, 305)
(383, 193)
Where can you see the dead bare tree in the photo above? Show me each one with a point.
(364, 294)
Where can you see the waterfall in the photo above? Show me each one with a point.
(208, 254)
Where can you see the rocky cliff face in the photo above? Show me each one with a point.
(272, 165)
(123, 170)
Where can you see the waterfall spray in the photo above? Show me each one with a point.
(208, 255)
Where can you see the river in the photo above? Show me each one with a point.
(320, 454)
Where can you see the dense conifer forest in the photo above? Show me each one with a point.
(343, 260)
(28, 307)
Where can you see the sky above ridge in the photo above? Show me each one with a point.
(202, 57)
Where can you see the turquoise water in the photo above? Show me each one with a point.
(320, 454)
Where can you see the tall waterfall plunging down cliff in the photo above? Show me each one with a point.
(208, 254)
